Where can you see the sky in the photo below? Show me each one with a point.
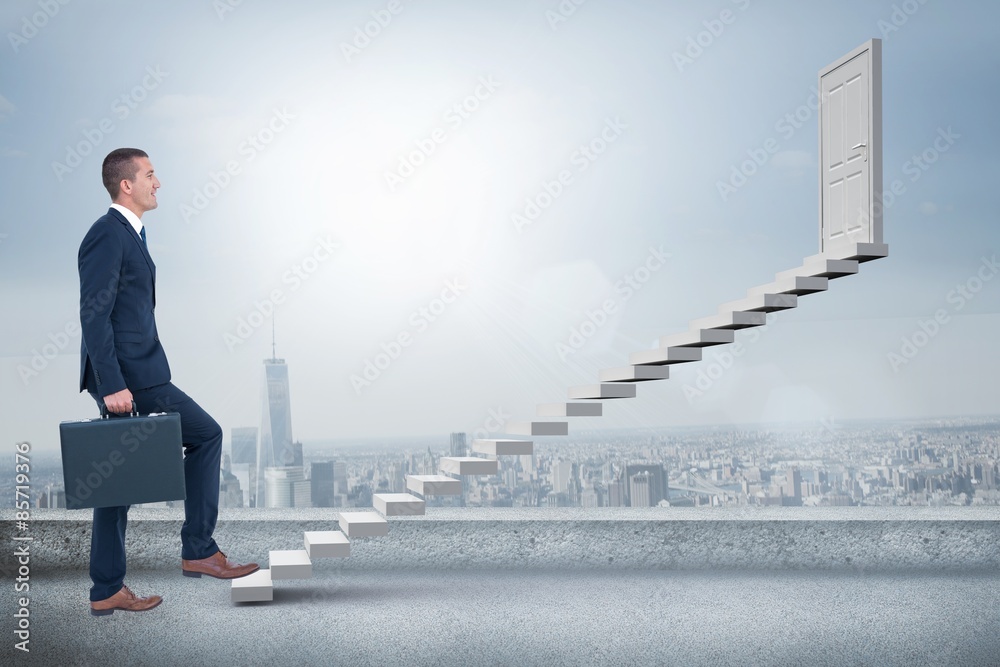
(451, 212)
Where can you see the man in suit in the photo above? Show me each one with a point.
(121, 362)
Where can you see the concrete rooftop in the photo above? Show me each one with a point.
(776, 586)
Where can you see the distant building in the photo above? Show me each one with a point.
(397, 476)
(302, 493)
(275, 447)
(562, 475)
(590, 498)
(245, 473)
(657, 484)
(321, 473)
(340, 478)
(528, 465)
(459, 446)
(230, 491)
(640, 489)
(51, 497)
(793, 485)
(616, 494)
(282, 488)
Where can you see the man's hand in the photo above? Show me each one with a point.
(120, 401)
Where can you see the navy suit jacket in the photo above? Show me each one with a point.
(120, 347)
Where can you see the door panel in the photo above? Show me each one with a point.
(850, 149)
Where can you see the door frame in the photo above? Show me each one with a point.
(874, 49)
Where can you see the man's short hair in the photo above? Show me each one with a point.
(120, 165)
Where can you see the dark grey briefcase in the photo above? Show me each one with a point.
(122, 460)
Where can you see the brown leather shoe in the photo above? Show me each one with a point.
(218, 566)
(124, 600)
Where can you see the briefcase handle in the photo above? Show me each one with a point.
(106, 415)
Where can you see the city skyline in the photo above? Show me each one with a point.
(879, 463)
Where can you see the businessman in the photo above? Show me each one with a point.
(121, 361)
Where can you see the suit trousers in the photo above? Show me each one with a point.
(201, 436)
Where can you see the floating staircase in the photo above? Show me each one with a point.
(811, 277)
(848, 213)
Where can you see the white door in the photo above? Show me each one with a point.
(850, 150)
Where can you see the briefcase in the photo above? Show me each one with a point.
(122, 460)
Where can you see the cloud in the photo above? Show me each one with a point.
(7, 151)
(928, 207)
(6, 108)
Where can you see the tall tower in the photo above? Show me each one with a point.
(274, 448)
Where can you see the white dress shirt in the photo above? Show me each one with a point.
(132, 218)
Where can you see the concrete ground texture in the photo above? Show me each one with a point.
(526, 587)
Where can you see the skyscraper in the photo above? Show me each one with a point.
(275, 447)
(284, 486)
(562, 473)
(340, 477)
(639, 489)
(657, 486)
(321, 473)
(793, 486)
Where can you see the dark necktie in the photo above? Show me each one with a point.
(142, 235)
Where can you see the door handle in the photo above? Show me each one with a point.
(864, 153)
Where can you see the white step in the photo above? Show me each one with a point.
(736, 320)
(602, 391)
(821, 268)
(327, 544)
(665, 355)
(363, 524)
(536, 428)
(634, 374)
(503, 447)
(699, 338)
(398, 504)
(293, 564)
(798, 285)
(570, 409)
(468, 465)
(765, 303)
(434, 485)
(860, 252)
(255, 587)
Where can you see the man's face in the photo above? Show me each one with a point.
(144, 186)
